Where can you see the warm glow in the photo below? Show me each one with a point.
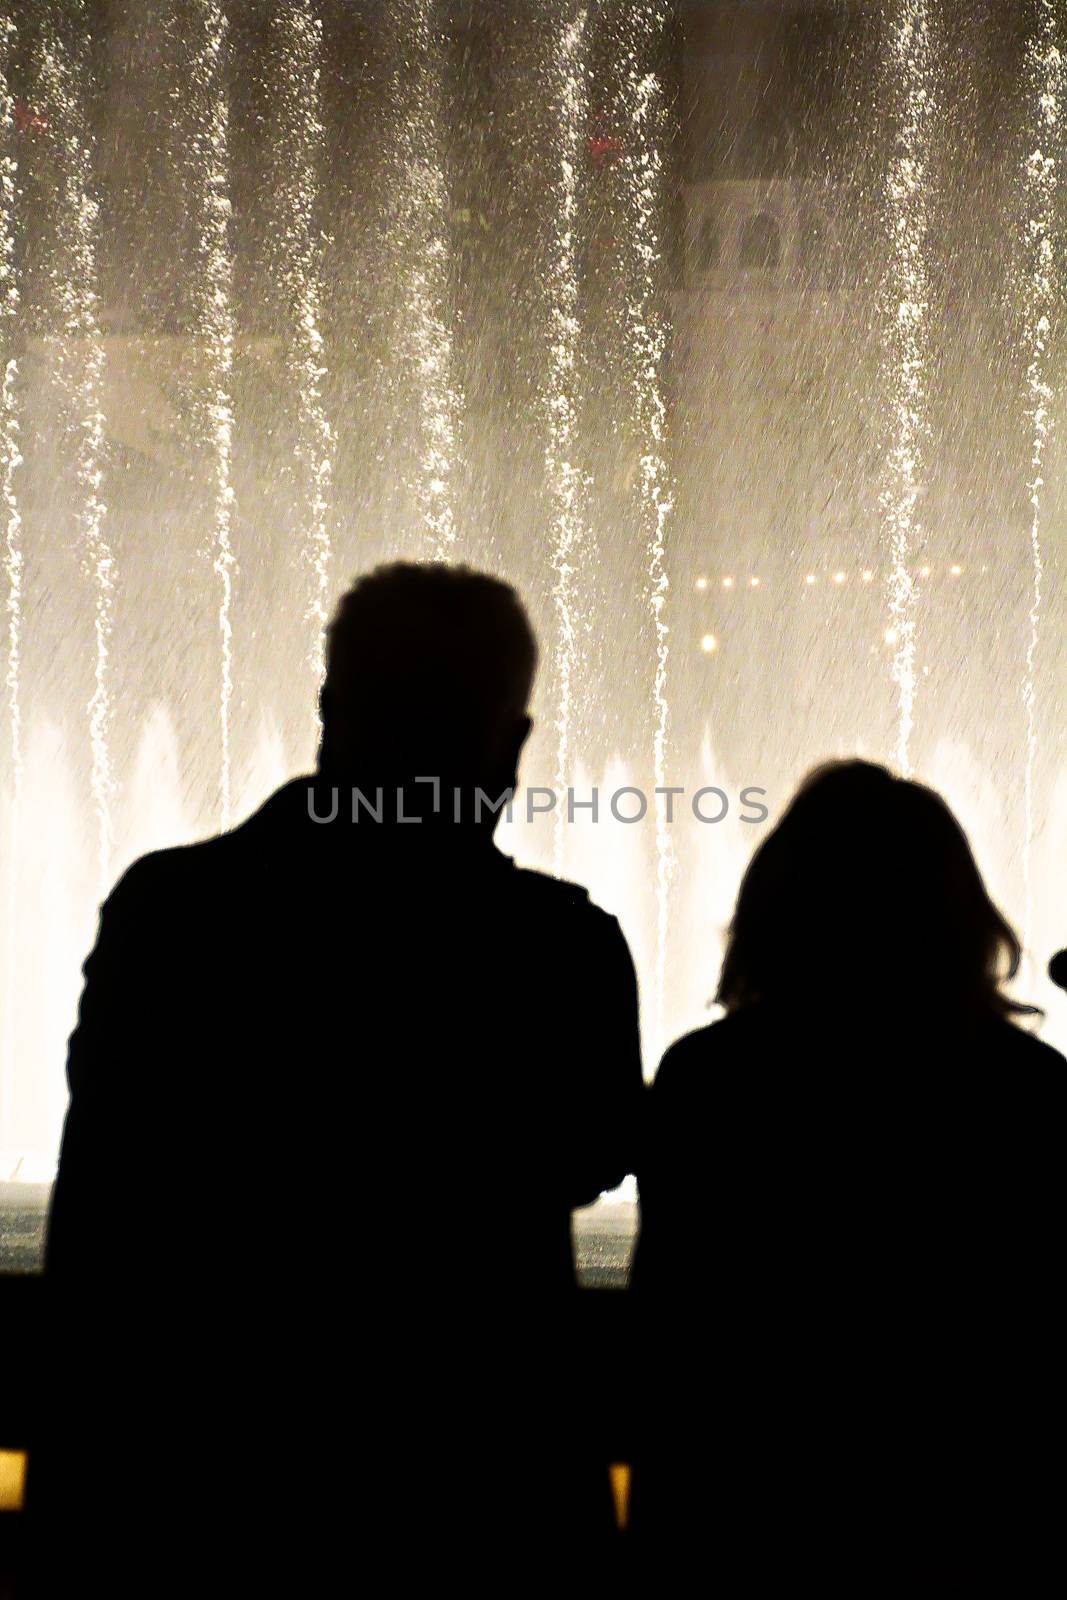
(619, 1472)
(727, 583)
(955, 571)
(702, 583)
(868, 575)
(839, 577)
(709, 643)
(12, 1479)
(810, 578)
(753, 583)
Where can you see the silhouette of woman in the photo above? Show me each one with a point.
(852, 1202)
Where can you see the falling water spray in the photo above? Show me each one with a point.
(906, 85)
(10, 461)
(298, 254)
(63, 79)
(10, 453)
(422, 245)
(1045, 68)
(567, 89)
(208, 158)
(643, 201)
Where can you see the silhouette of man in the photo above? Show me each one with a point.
(339, 1078)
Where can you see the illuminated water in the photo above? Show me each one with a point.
(78, 356)
(294, 301)
(565, 75)
(906, 78)
(644, 215)
(1041, 180)
(420, 249)
(207, 162)
(10, 461)
(297, 263)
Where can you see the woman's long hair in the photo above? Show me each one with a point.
(867, 889)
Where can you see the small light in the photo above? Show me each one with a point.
(924, 572)
(727, 583)
(868, 575)
(955, 571)
(709, 643)
(12, 1480)
(753, 583)
(890, 636)
(839, 577)
(810, 578)
(702, 583)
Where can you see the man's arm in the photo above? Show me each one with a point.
(100, 1130)
(605, 1047)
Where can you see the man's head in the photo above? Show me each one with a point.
(428, 673)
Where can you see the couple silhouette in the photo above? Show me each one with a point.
(336, 1088)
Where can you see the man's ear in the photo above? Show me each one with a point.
(324, 754)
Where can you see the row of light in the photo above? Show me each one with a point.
(866, 576)
(709, 643)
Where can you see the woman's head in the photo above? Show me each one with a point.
(866, 888)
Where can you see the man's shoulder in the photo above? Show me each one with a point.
(542, 885)
(558, 914)
(558, 897)
(143, 877)
(192, 866)
(176, 872)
